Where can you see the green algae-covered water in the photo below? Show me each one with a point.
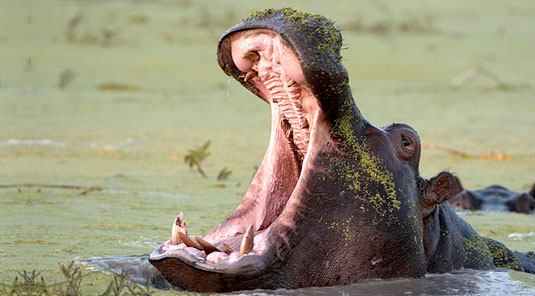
(113, 94)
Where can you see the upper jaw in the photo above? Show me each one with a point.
(269, 64)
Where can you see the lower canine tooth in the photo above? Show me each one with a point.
(179, 225)
(188, 242)
(206, 246)
(227, 248)
(247, 242)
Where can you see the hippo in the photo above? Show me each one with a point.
(335, 199)
(495, 198)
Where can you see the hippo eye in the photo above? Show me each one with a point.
(406, 146)
(406, 142)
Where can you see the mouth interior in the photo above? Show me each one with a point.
(270, 65)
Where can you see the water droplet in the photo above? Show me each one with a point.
(227, 94)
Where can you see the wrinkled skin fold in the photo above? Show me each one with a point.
(335, 199)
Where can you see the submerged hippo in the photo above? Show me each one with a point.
(335, 199)
(495, 198)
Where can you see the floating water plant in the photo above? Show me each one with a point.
(195, 157)
(224, 174)
(66, 77)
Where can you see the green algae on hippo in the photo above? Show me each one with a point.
(335, 199)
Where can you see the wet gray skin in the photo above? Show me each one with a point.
(335, 199)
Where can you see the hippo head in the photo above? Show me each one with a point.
(523, 203)
(335, 199)
(466, 200)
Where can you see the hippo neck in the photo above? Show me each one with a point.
(348, 125)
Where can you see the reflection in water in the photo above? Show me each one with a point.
(31, 142)
(466, 282)
(520, 236)
(136, 267)
(121, 146)
(146, 194)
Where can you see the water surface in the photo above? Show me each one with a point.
(465, 282)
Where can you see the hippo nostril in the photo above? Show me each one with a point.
(253, 56)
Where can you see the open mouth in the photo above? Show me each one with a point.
(265, 62)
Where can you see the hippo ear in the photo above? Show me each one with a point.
(438, 190)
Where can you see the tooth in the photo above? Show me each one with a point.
(188, 242)
(247, 242)
(179, 225)
(206, 246)
(289, 133)
(174, 234)
(180, 221)
(290, 82)
(304, 122)
(252, 55)
(227, 248)
(249, 75)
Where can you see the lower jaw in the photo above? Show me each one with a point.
(188, 274)
(252, 263)
(223, 256)
(236, 263)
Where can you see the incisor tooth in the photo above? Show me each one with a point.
(249, 75)
(227, 248)
(206, 246)
(247, 242)
(188, 242)
(179, 225)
